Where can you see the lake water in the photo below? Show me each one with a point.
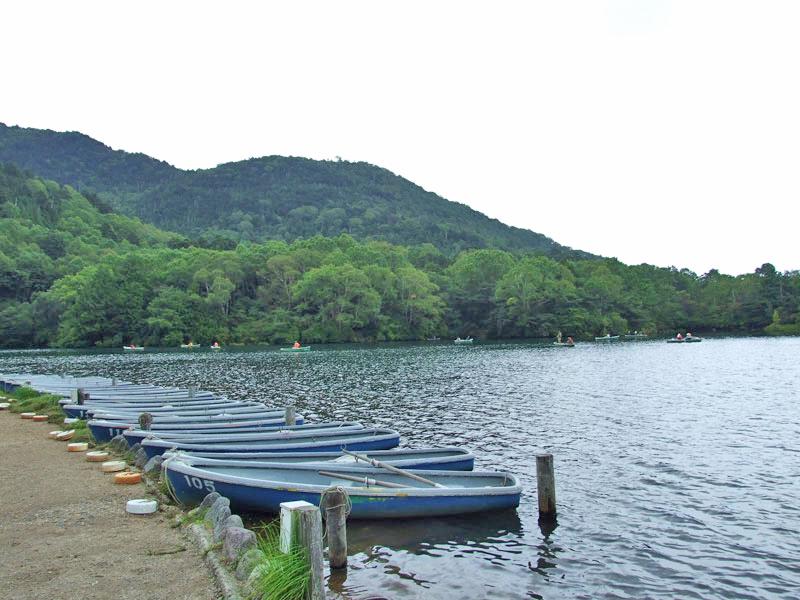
(677, 465)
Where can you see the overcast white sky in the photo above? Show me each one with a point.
(655, 131)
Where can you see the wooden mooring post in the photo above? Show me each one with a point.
(301, 524)
(289, 416)
(192, 390)
(546, 485)
(336, 505)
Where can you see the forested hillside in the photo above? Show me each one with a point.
(74, 274)
(266, 198)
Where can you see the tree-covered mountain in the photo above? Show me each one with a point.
(272, 197)
(74, 274)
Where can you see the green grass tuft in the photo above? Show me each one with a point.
(28, 400)
(281, 576)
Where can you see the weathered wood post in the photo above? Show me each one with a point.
(336, 503)
(289, 416)
(301, 524)
(192, 389)
(114, 382)
(80, 396)
(546, 485)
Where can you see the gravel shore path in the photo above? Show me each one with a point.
(64, 532)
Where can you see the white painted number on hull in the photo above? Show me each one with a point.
(200, 484)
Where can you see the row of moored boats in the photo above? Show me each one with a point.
(246, 451)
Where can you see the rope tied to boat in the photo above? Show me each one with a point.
(323, 500)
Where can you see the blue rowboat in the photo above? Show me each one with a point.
(310, 441)
(230, 407)
(208, 418)
(443, 459)
(134, 435)
(104, 431)
(262, 489)
(150, 403)
(133, 414)
(87, 410)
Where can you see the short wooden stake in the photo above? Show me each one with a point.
(336, 527)
(546, 484)
(289, 416)
(301, 524)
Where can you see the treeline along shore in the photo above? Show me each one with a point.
(75, 274)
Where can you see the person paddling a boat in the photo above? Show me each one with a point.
(558, 337)
(296, 345)
(570, 340)
(679, 336)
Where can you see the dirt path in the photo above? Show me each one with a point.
(64, 532)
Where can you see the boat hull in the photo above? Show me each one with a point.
(190, 485)
(354, 441)
(105, 431)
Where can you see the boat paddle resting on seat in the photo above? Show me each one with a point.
(375, 493)
(443, 459)
(459, 340)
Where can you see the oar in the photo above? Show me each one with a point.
(365, 480)
(392, 468)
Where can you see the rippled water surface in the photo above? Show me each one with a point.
(677, 465)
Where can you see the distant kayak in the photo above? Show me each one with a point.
(606, 338)
(565, 344)
(216, 347)
(133, 348)
(190, 346)
(635, 336)
(459, 340)
(687, 340)
(300, 349)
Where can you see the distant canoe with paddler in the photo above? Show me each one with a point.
(374, 493)
(459, 340)
(300, 349)
(564, 344)
(133, 348)
(606, 338)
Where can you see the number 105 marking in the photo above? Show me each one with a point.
(200, 484)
